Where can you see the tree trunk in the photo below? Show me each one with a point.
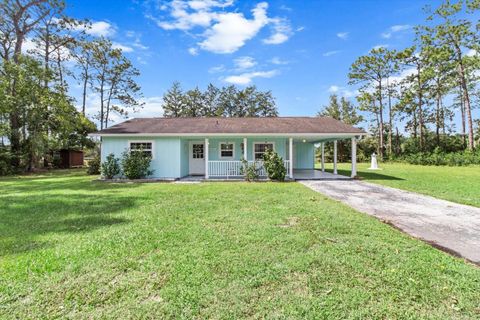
(84, 93)
(390, 121)
(380, 113)
(420, 109)
(108, 107)
(462, 115)
(437, 118)
(102, 81)
(397, 147)
(377, 117)
(468, 110)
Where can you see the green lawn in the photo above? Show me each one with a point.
(77, 249)
(457, 184)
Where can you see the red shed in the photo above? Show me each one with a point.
(71, 158)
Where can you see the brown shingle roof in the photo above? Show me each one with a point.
(274, 125)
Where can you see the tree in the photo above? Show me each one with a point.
(18, 19)
(83, 55)
(113, 80)
(173, 102)
(457, 35)
(371, 72)
(343, 111)
(219, 102)
(418, 83)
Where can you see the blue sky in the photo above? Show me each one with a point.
(300, 50)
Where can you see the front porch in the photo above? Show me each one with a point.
(298, 174)
(221, 158)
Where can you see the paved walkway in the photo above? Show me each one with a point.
(453, 227)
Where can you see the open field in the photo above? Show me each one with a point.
(457, 184)
(73, 248)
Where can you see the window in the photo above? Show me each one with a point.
(145, 146)
(197, 151)
(260, 148)
(226, 150)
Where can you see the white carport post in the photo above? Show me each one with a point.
(354, 157)
(335, 157)
(323, 156)
(205, 152)
(290, 157)
(245, 148)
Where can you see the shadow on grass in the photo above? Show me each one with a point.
(46, 205)
(367, 175)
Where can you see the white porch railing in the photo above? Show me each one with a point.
(233, 169)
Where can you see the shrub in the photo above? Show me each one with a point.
(438, 158)
(94, 165)
(274, 166)
(56, 160)
(136, 164)
(110, 168)
(5, 163)
(250, 171)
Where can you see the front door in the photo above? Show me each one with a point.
(197, 158)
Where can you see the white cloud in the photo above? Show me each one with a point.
(246, 78)
(217, 69)
(101, 29)
(193, 51)
(232, 30)
(394, 29)
(282, 31)
(207, 4)
(243, 63)
(397, 28)
(224, 31)
(130, 34)
(153, 107)
(342, 91)
(471, 53)
(343, 35)
(28, 45)
(278, 61)
(333, 89)
(124, 48)
(402, 76)
(331, 53)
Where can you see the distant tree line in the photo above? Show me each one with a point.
(411, 86)
(218, 102)
(41, 51)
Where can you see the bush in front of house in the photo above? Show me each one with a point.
(110, 167)
(249, 171)
(136, 164)
(94, 165)
(274, 166)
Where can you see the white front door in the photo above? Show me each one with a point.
(197, 158)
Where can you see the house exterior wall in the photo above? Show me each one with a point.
(167, 156)
(304, 155)
(171, 155)
(214, 149)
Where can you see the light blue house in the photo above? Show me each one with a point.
(214, 147)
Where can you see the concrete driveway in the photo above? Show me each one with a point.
(450, 226)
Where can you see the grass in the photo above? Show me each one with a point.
(77, 249)
(457, 184)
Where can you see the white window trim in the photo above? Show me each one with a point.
(220, 150)
(143, 141)
(262, 142)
